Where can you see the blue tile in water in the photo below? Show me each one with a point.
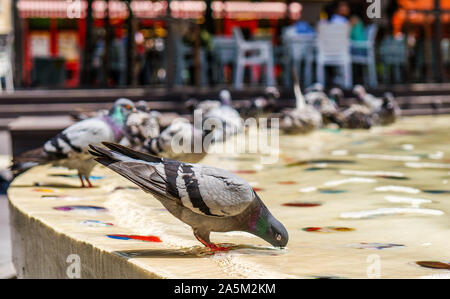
(403, 178)
(332, 191)
(75, 176)
(437, 191)
(331, 130)
(318, 168)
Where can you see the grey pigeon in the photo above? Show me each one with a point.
(304, 118)
(372, 102)
(260, 107)
(357, 116)
(208, 199)
(178, 141)
(69, 147)
(389, 110)
(316, 97)
(141, 126)
(224, 121)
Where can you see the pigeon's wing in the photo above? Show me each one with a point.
(202, 189)
(214, 191)
(77, 137)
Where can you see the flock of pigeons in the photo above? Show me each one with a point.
(138, 145)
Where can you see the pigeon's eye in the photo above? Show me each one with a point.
(278, 237)
(128, 107)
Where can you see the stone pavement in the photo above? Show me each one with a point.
(6, 267)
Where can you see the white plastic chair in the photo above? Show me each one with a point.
(363, 52)
(223, 53)
(333, 49)
(298, 48)
(185, 60)
(252, 53)
(5, 64)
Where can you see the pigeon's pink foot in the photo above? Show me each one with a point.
(89, 182)
(212, 246)
(215, 247)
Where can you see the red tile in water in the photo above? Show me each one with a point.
(328, 229)
(136, 237)
(434, 265)
(312, 229)
(302, 204)
(287, 183)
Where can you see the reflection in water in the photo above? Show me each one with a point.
(199, 251)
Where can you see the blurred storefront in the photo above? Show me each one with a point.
(53, 31)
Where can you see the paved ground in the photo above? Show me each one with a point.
(6, 268)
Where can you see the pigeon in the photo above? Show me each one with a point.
(372, 102)
(142, 106)
(389, 110)
(141, 126)
(261, 106)
(207, 105)
(206, 198)
(178, 141)
(304, 118)
(316, 97)
(69, 148)
(357, 116)
(224, 121)
(203, 106)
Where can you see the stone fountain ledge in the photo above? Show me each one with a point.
(50, 243)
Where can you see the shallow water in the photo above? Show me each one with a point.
(351, 200)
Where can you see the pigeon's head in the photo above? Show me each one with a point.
(315, 87)
(276, 233)
(337, 95)
(142, 106)
(359, 91)
(272, 92)
(268, 228)
(122, 109)
(191, 104)
(225, 97)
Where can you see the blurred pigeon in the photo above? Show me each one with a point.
(208, 199)
(389, 110)
(365, 98)
(178, 141)
(261, 106)
(141, 126)
(356, 116)
(224, 121)
(304, 118)
(316, 97)
(69, 148)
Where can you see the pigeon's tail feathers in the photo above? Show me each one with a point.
(129, 164)
(29, 159)
(120, 152)
(21, 167)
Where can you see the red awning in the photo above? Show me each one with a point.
(148, 9)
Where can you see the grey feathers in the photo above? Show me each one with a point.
(206, 198)
(202, 189)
